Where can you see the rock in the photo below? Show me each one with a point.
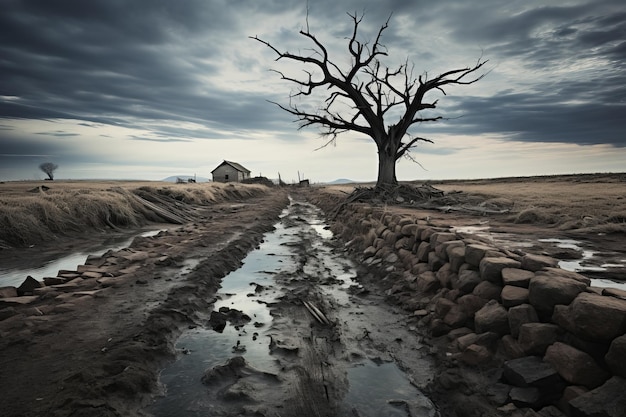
(392, 258)
(513, 296)
(596, 317)
(468, 280)
(456, 257)
(409, 229)
(49, 281)
(218, 321)
(614, 292)
(550, 411)
(435, 262)
(546, 291)
(422, 251)
(438, 328)
(474, 253)
(475, 355)
(369, 252)
(471, 304)
(516, 277)
(136, 256)
(488, 290)
(565, 274)
(535, 263)
(492, 318)
(534, 338)
(491, 268)
(616, 355)
(520, 315)
(525, 397)
(8, 292)
(7, 312)
(443, 249)
(442, 306)
(466, 340)
(438, 238)
(28, 286)
(511, 347)
(445, 276)
(25, 299)
(530, 371)
(498, 393)
(575, 366)
(455, 318)
(608, 400)
(569, 393)
(427, 282)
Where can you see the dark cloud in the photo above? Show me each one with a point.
(153, 64)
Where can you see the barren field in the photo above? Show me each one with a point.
(94, 344)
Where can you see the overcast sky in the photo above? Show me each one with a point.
(146, 89)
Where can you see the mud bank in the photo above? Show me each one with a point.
(514, 334)
(89, 342)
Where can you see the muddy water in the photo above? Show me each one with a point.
(50, 267)
(359, 376)
(584, 258)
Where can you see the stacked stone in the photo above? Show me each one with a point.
(563, 342)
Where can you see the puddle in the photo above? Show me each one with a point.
(587, 263)
(248, 289)
(590, 261)
(382, 390)
(16, 276)
(374, 389)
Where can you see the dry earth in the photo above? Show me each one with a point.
(95, 350)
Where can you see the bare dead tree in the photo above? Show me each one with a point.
(361, 97)
(48, 168)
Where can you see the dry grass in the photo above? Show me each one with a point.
(591, 203)
(566, 202)
(29, 215)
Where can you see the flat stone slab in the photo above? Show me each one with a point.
(530, 371)
(27, 299)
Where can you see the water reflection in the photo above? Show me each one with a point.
(15, 276)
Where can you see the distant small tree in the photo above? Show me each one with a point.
(48, 168)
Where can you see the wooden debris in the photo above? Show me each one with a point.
(316, 312)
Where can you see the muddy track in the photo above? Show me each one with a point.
(324, 326)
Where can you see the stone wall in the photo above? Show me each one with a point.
(560, 343)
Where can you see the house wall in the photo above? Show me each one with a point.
(227, 173)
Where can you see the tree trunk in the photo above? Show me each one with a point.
(386, 169)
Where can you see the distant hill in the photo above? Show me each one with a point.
(341, 181)
(175, 178)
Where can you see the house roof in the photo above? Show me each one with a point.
(235, 165)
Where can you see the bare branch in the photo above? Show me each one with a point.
(359, 97)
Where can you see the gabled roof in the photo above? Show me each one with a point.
(235, 165)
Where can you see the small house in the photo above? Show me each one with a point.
(229, 171)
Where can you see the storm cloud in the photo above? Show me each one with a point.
(162, 71)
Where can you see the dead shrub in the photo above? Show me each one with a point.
(530, 216)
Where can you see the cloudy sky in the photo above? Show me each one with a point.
(145, 89)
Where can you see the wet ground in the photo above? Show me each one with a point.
(296, 339)
(295, 333)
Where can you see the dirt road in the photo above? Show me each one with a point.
(95, 346)
(302, 337)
